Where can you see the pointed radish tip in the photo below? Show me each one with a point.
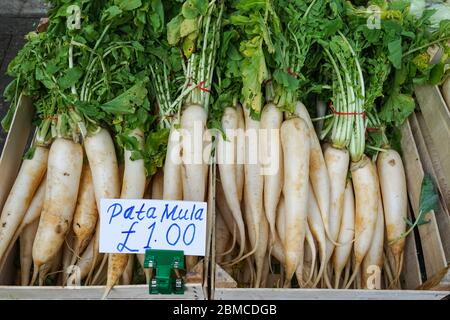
(106, 293)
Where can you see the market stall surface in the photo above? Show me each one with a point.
(17, 18)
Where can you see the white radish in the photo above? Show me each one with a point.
(65, 161)
(133, 187)
(101, 154)
(395, 203)
(366, 186)
(272, 162)
(194, 175)
(317, 228)
(173, 188)
(318, 172)
(253, 193)
(226, 159)
(240, 151)
(33, 213)
(296, 152)
(373, 261)
(193, 122)
(278, 248)
(346, 233)
(337, 162)
(34, 210)
(27, 182)
(86, 214)
(26, 250)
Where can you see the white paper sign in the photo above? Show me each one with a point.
(133, 226)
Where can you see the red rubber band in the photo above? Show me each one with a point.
(339, 113)
(54, 117)
(200, 86)
(292, 73)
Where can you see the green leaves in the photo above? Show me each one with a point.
(191, 9)
(428, 200)
(397, 108)
(111, 13)
(128, 5)
(395, 52)
(173, 30)
(127, 101)
(256, 23)
(155, 150)
(69, 78)
(186, 24)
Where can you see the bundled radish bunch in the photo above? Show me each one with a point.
(97, 137)
(333, 214)
(134, 103)
(122, 106)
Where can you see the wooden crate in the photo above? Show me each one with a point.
(10, 161)
(426, 272)
(434, 118)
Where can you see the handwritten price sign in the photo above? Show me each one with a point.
(133, 226)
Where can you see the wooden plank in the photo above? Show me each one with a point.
(210, 226)
(445, 91)
(10, 162)
(326, 294)
(410, 277)
(433, 251)
(442, 181)
(15, 146)
(223, 279)
(132, 292)
(440, 282)
(442, 217)
(213, 234)
(195, 275)
(437, 118)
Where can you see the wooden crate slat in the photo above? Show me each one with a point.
(223, 279)
(132, 292)
(16, 142)
(433, 250)
(410, 277)
(442, 181)
(437, 118)
(442, 217)
(326, 294)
